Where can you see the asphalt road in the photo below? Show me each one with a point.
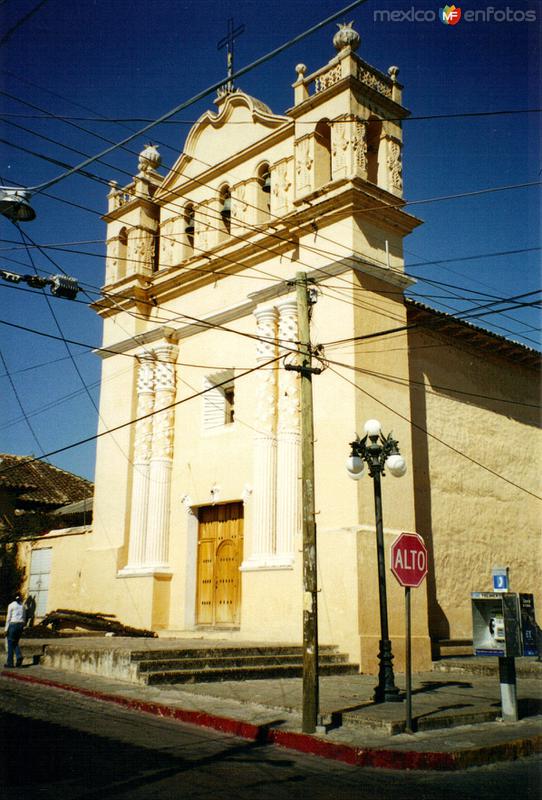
(54, 744)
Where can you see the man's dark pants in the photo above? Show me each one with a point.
(15, 630)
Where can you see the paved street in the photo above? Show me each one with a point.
(63, 746)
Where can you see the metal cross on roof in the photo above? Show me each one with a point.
(228, 42)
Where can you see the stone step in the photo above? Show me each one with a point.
(242, 673)
(209, 651)
(526, 666)
(198, 663)
(443, 648)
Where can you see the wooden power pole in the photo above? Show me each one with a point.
(310, 597)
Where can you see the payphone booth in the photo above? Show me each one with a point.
(504, 625)
(496, 624)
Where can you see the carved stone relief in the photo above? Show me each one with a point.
(139, 251)
(240, 210)
(168, 241)
(114, 265)
(145, 405)
(395, 167)
(164, 416)
(288, 403)
(349, 148)
(282, 184)
(304, 163)
(371, 79)
(340, 142)
(329, 78)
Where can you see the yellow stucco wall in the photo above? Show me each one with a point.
(465, 493)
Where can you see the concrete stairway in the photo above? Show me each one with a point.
(207, 664)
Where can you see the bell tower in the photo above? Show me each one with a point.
(360, 112)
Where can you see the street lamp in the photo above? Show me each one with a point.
(15, 206)
(379, 452)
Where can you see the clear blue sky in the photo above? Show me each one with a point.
(140, 58)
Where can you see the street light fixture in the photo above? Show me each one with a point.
(379, 452)
(15, 206)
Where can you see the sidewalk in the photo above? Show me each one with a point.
(455, 714)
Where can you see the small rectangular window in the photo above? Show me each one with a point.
(230, 410)
(218, 400)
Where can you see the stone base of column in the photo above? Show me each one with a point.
(270, 561)
(144, 572)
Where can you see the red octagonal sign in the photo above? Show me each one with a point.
(409, 559)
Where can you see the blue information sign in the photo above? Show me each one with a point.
(500, 579)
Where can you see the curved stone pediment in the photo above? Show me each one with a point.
(241, 121)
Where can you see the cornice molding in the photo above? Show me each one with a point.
(248, 306)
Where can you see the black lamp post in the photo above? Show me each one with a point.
(379, 451)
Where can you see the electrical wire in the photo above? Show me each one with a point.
(495, 312)
(21, 406)
(413, 325)
(431, 389)
(8, 34)
(282, 239)
(125, 120)
(78, 372)
(199, 96)
(436, 438)
(176, 403)
(427, 116)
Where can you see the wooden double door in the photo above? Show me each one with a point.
(220, 553)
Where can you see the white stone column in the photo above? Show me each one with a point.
(141, 460)
(288, 441)
(156, 551)
(265, 445)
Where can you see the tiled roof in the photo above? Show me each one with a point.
(37, 483)
(472, 334)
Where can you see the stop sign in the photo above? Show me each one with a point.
(409, 559)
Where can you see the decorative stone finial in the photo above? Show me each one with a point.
(149, 160)
(301, 70)
(393, 72)
(346, 36)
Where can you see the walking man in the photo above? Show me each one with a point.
(14, 627)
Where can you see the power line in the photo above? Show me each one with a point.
(37, 366)
(73, 362)
(414, 324)
(430, 390)
(151, 413)
(282, 238)
(124, 120)
(20, 404)
(21, 22)
(436, 438)
(94, 134)
(200, 95)
(268, 250)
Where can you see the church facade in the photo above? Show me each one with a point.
(197, 512)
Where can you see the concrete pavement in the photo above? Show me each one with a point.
(456, 714)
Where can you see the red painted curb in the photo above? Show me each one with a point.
(306, 743)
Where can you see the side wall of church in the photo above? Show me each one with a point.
(477, 471)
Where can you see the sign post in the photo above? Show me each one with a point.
(409, 565)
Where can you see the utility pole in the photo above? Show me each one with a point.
(310, 586)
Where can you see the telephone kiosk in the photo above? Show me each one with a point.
(504, 625)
